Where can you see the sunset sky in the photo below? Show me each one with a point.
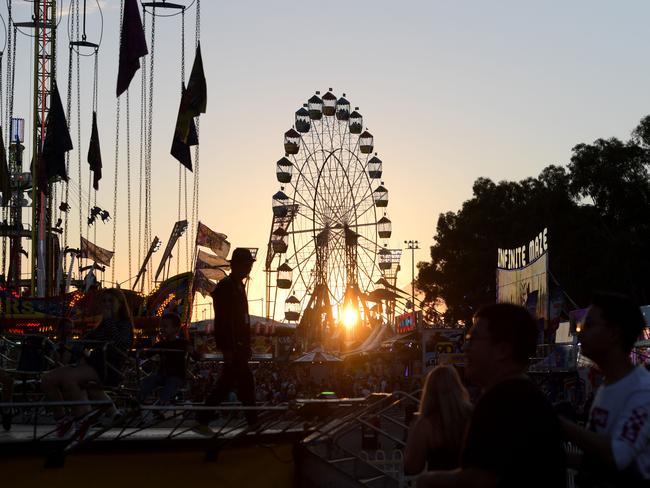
(451, 91)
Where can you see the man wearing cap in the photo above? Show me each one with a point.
(233, 338)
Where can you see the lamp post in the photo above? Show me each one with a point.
(412, 245)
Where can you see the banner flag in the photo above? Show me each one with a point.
(95, 154)
(202, 285)
(205, 260)
(133, 45)
(96, 253)
(212, 274)
(216, 241)
(57, 142)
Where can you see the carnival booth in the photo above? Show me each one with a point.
(270, 339)
(318, 364)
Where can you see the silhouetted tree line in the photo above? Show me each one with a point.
(596, 209)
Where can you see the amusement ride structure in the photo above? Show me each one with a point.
(325, 255)
(52, 204)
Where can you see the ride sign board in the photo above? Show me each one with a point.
(522, 256)
(522, 276)
(407, 322)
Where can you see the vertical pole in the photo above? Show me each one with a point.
(413, 278)
(35, 152)
(412, 246)
(84, 34)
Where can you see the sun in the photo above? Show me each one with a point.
(350, 316)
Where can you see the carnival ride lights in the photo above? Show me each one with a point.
(163, 305)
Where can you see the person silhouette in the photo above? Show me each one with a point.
(233, 337)
(514, 436)
(616, 442)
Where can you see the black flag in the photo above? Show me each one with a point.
(57, 142)
(194, 99)
(5, 179)
(132, 45)
(95, 154)
(181, 150)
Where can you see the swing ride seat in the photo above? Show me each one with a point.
(84, 44)
(164, 4)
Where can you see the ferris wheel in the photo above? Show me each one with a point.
(325, 248)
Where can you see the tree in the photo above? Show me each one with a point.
(596, 210)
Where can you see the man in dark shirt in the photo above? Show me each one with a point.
(232, 336)
(514, 437)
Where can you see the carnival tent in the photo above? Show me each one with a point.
(317, 355)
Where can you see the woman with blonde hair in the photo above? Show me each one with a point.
(436, 434)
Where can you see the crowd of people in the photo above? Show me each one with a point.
(512, 436)
(507, 434)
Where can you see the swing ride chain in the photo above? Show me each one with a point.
(79, 183)
(117, 155)
(11, 78)
(5, 210)
(9, 106)
(7, 121)
(128, 178)
(143, 138)
(95, 90)
(180, 166)
(67, 159)
(195, 193)
(149, 137)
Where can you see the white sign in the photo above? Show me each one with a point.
(522, 256)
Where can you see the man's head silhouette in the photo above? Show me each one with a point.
(241, 263)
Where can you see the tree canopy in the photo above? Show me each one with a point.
(596, 209)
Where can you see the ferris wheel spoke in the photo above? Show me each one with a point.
(305, 163)
(300, 265)
(373, 266)
(359, 216)
(369, 242)
(361, 204)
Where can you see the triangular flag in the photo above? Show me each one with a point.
(195, 98)
(57, 142)
(181, 150)
(95, 154)
(132, 45)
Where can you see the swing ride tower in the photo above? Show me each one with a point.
(44, 73)
(44, 257)
(44, 243)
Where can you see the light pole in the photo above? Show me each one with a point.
(412, 245)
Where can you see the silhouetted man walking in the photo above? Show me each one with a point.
(233, 338)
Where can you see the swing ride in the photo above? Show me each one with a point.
(52, 208)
